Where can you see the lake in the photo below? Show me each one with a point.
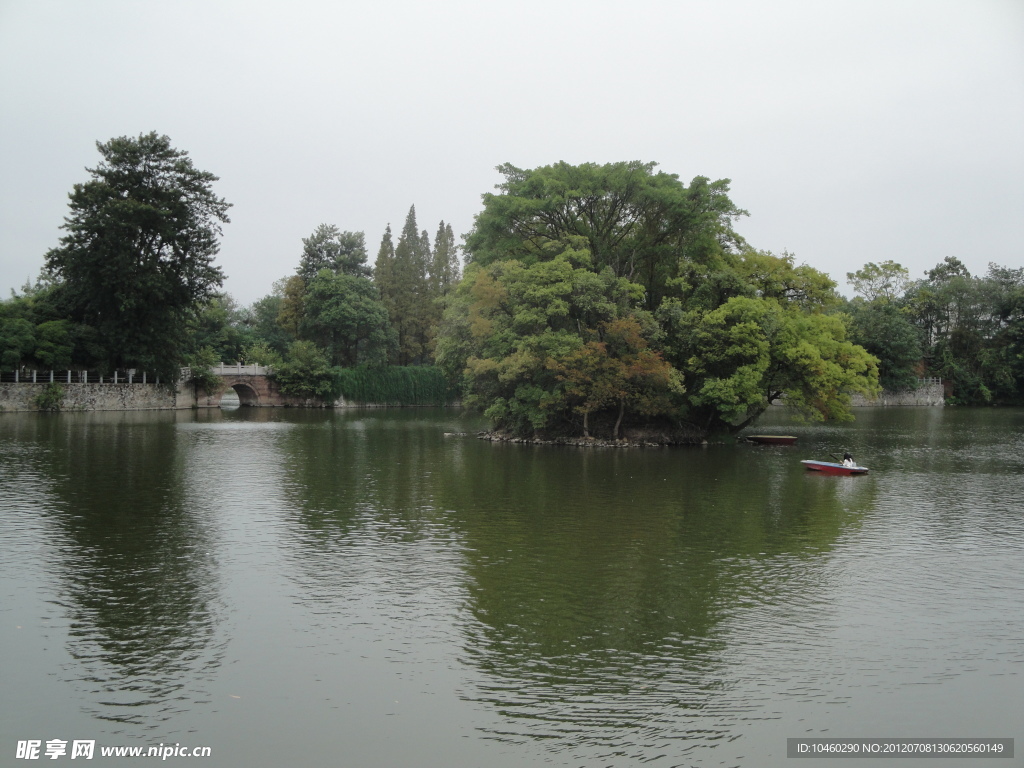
(365, 588)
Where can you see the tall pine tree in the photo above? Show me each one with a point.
(412, 279)
(384, 271)
(444, 267)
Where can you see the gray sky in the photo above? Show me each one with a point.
(852, 131)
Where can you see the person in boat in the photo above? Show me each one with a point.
(848, 460)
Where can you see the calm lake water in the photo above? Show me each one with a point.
(356, 588)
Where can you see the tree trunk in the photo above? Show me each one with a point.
(618, 421)
(586, 431)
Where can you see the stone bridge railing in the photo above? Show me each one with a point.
(237, 369)
(31, 376)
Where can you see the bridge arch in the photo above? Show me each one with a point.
(247, 394)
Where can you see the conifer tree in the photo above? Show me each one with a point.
(412, 277)
(444, 269)
(384, 271)
(410, 293)
(344, 253)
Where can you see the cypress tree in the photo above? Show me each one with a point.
(411, 294)
(444, 270)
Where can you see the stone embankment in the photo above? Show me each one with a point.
(929, 392)
(22, 396)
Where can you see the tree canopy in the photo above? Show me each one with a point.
(645, 226)
(137, 262)
(617, 296)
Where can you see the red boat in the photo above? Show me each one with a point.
(831, 468)
(771, 439)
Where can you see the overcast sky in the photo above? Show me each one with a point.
(852, 131)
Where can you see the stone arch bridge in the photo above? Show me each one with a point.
(252, 383)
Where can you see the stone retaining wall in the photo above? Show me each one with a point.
(95, 397)
(928, 394)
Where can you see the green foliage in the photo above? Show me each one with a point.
(293, 306)
(262, 353)
(35, 333)
(264, 326)
(223, 327)
(444, 266)
(136, 263)
(306, 373)
(750, 352)
(972, 329)
(886, 331)
(539, 344)
(594, 291)
(343, 253)
(51, 398)
(409, 385)
(344, 316)
(402, 277)
(200, 365)
(17, 341)
(54, 344)
(618, 370)
(640, 224)
(887, 281)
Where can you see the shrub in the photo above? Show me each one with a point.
(51, 398)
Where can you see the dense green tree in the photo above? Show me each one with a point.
(384, 272)
(887, 332)
(887, 281)
(1004, 355)
(35, 333)
(346, 319)
(223, 327)
(137, 262)
(263, 316)
(751, 352)
(55, 345)
(343, 253)
(619, 295)
(17, 342)
(444, 266)
(540, 345)
(293, 305)
(644, 226)
(971, 328)
(306, 373)
(403, 281)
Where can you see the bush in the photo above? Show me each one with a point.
(306, 373)
(200, 367)
(51, 398)
(411, 385)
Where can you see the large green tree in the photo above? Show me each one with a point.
(346, 319)
(402, 277)
(887, 281)
(137, 262)
(549, 346)
(751, 352)
(343, 253)
(887, 332)
(644, 225)
(972, 328)
(603, 296)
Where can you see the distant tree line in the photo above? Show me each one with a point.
(133, 285)
(596, 300)
(967, 330)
